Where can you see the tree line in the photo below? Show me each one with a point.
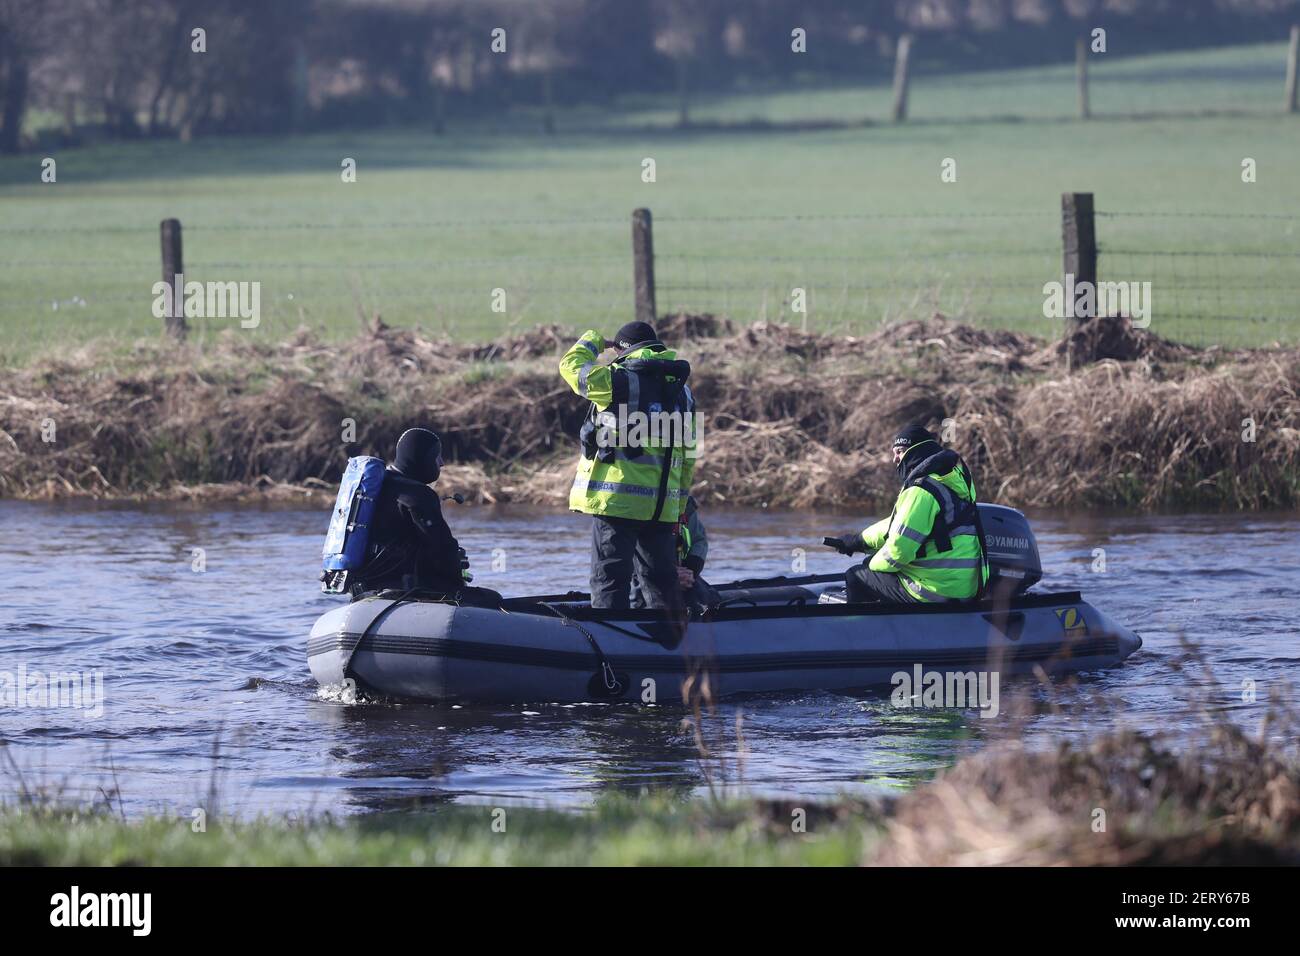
(124, 69)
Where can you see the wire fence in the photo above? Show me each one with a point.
(1215, 278)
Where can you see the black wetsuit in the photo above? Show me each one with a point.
(410, 543)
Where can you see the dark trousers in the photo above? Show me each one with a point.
(701, 595)
(863, 584)
(621, 548)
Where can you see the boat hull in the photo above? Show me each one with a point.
(441, 652)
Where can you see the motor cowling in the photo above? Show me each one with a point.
(1014, 565)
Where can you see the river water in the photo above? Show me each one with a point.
(207, 698)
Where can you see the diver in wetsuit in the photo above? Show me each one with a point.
(411, 545)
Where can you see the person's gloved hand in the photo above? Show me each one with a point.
(848, 544)
(464, 566)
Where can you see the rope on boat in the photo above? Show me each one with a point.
(374, 621)
(614, 687)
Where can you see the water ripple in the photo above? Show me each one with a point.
(205, 678)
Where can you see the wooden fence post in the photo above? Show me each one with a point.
(643, 265)
(548, 103)
(683, 94)
(439, 108)
(173, 265)
(1081, 75)
(1079, 242)
(901, 57)
(299, 86)
(1291, 57)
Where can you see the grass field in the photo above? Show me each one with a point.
(744, 212)
(617, 832)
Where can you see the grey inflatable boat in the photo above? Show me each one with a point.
(761, 636)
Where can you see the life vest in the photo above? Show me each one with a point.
(956, 516)
(631, 471)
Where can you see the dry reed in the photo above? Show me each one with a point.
(791, 419)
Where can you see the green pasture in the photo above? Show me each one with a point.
(616, 832)
(761, 197)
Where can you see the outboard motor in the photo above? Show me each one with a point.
(1014, 566)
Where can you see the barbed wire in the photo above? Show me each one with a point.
(151, 228)
(1202, 286)
(1148, 214)
(864, 257)
(271, 264)
(1204, 253)
(80, 230)
(1210, 318)
(957, 284)
(619, 221)
(491, 223)
(860, 216)
(364, 295)
(1030, 287)
(399, 224)
(424, 264)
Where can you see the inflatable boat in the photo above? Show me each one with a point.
(759, 636)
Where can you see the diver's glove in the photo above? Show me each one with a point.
(464, 566)
(848, 544)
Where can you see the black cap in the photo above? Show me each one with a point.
(634, 333)
(913, 435)
(417, 455)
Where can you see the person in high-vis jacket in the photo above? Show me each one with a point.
(638, 457)
(929, 550)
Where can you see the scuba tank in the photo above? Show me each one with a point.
(348, 539)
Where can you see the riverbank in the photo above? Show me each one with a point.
(790, 419)
(1124, 799)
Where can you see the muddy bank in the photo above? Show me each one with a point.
(790, 419)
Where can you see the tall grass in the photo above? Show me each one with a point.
(791, 419)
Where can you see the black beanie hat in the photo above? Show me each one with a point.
(910, 437)
(634, 333)
(417, 455)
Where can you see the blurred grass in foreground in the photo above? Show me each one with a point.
(617, 832)
(1231, 798)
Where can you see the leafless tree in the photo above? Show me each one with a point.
(29, 29)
